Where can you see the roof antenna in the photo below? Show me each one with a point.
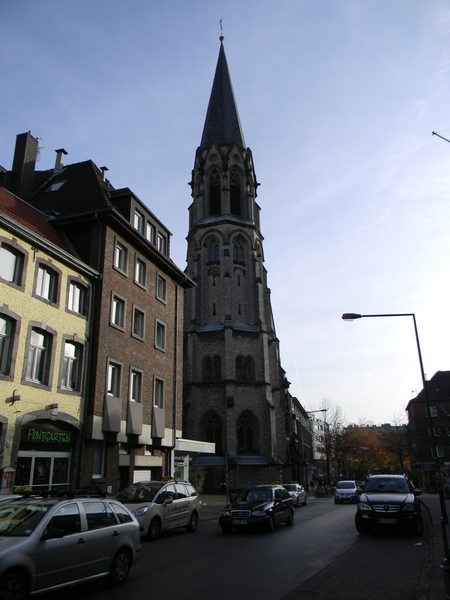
(221, 31)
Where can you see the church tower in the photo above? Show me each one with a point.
(235, 391)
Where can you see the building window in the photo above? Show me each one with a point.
(151, 233)
(213, 253)
(235, 192)
(440, 451)
(39, 357)
(47, 284)
(118, 312)
(139, 221)
(433, 411)
(114, 377)
(121, 257)
(11, 264)
(245, 432)
(212, 368)
(159, 393)
(140, 272)
(162, 243)
(161, 286)
(136, 386)
(7, 327)
(138, 323)
(238, 253)
(214, 193)
(98, 467)
(245, 368)
(160, 335)
(77, 298)
(72, 363)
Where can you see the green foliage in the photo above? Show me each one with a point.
(197, 476)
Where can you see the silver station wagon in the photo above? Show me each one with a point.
(47, 543)
(162, 505)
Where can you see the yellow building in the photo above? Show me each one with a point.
(45, 291)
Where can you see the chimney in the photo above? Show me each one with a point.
(59, 163)
(103, 170)
(24, 165)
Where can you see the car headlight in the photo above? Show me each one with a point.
(138, 512)
(364, 506)
(409, 508)
(259, 513)
(225, 512)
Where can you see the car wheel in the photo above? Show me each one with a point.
(120, 567)
(336, 501)
(193, 523)
(361, 527)
(13, 587)
(154, 529)
(290, 519)
(225, 528)
(417, 530)
(271, 524)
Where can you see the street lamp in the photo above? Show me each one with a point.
(444, 520)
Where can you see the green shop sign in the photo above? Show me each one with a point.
(46, 433)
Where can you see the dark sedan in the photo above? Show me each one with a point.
(263, 506)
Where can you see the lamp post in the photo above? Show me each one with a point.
(444, 519)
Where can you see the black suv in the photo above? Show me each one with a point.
(389, 500)
(262, 506)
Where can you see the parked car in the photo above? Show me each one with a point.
(162, 505)
(51, 543)
(297, 493)
(389, 500)
(263, 506)
(360, 485)
(345, 491)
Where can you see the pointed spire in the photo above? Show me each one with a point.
(222, 124)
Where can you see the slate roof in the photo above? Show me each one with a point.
(83, 190)
(222, 123)
(31, 218)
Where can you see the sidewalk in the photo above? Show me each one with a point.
(374, 574)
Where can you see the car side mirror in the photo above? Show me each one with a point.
(168, 500)
(417, 492)
(358, 491)
(53, 534)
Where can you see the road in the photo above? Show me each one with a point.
(265, 566)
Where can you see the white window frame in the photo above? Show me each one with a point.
(139, 221)
(6, 343)
(11, 264)
(47, 283)
(140, 272)
(72, 367)
(136, 381)
(121, 257)
(151, 233)
(39, 356)
(138, 312)
(77, 298)
(160, 327)
(162, 243)
(114, 382)
(118, 308)
(158, 392)
(161, 288)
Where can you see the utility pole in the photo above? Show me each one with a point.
(442, 138)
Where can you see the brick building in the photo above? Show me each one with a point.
(133, 425)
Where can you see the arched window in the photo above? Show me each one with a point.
(212, 430)
(207, 368)
(249, 368)
(235, 192)
(238, 252)
(217, 367)
(213, 252)
(214, 193)
(240, 367)
(246, 432)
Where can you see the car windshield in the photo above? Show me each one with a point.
(394, 485)
(20, 521)
(140, 492)
(345, 485)
(290, 487)
(255, 495)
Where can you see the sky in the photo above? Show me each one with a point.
(338, 100)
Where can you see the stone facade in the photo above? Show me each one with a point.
(235, 390)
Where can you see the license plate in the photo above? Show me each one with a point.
(387, 521)
(239, 521)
